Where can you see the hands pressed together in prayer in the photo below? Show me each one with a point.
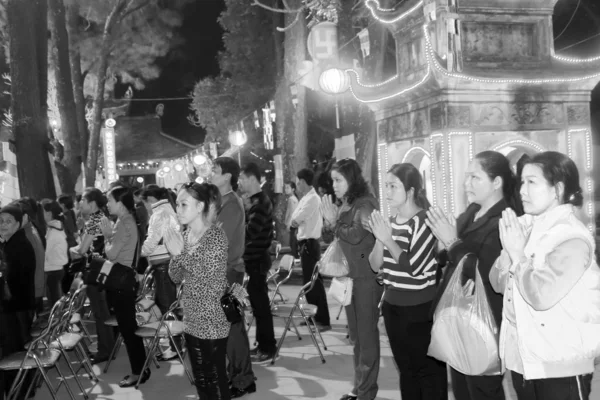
(443, 226)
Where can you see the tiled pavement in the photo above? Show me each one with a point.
(297, 374)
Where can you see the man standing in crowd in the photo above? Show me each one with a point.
(309, 221)
(259, 235)
(231, 217)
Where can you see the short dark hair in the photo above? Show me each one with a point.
(252, 169)
(229, 166)
(66, 200)
(307, 175)
(558, 168)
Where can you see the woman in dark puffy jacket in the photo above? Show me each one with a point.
(351, 225)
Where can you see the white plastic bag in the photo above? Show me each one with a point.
(465, 334)
(333, 262)
(341, 290)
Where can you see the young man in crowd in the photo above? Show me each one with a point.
(231, 217)
(259, 235)
(308, 220)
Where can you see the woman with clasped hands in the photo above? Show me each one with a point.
(199, 257)
(352, 230)
(490, 189)
(551, 283)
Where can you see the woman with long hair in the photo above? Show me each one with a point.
(490, 188)
(92, 205)
(405, 254)
(162, 217)
(121, 246)
(56, 249)
(199, 257)
(351, 226)
(551, 284)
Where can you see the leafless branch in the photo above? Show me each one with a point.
(290, 26)
(277, 10)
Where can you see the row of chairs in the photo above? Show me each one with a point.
(53, 342)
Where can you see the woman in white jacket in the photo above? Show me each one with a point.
(547, 271)
(56, 249)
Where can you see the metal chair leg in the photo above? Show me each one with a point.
(296, 329)
(70, 366)
(287, 326)
(64, 381)
(150, 354)
(114, 351)
(314, 339)
(85, 361)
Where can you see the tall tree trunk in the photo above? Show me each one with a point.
(41, 30)
(68, 164)
(77, 77)
(28, 79)
(98, 105)
(291, 121)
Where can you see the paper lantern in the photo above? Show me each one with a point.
(322, 41)
(199, 159)
(237, 138)
(178, 167)
(334, 81)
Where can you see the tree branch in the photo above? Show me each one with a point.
(128, 11)
(290, 26)
(277, 10)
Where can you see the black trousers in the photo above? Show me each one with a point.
(310, 254)
(409, 331)
(123, 304)
(166, 294)
(54, 286)
(207, 357)
(568, 388)
(294, 242)
(238, 346)
(258, 293)
(467, 387)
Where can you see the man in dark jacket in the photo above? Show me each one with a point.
(259, 235)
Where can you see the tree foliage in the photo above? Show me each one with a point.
(144, 34)
(247, 78)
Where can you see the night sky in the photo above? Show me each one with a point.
(197, 58)
(183, 67)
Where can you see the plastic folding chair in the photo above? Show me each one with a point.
(41, 357)
(300, 310)
(168, 327)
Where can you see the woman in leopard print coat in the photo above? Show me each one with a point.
(199, 257)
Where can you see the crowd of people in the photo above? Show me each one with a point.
(520, 235)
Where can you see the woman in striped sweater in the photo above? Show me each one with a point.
(405, 254)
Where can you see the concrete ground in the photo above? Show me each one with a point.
(297, 374)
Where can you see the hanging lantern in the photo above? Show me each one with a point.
(199, 159)
(178, 166)
(334, 81)
(322, 41)
(237, 137)
(166, 169)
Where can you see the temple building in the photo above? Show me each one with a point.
(479, 75)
